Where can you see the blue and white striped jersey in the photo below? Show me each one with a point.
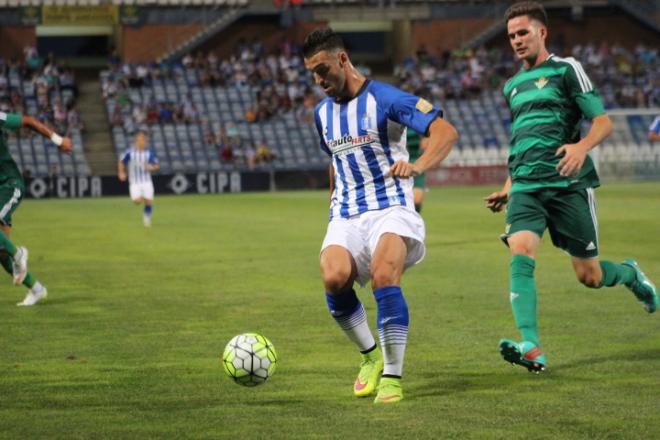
(655, 125)
(136, 161)
(365, 136)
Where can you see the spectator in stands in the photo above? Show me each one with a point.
(74, 122)
(153, 114)
(226, 153)
(189, 109)
(249, 155)
(139, 115)
(231, 133)
(109, 88)
(59, 115)
(264, 154)
(166, 113)
(654, 130)
(207, 131)
(116, 118)
(187, 60)
(68, 82)
(32, 60)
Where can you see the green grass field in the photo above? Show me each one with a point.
(127, 345)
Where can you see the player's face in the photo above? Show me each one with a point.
(328, 70)
(140, 141)
(527, 38)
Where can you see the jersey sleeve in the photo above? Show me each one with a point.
(410, 110)
(126, 157)
(582, 90)
(11, 121)
(153, 159)
(319, 129)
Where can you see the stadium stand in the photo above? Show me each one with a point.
(268, 100)
(40, 88)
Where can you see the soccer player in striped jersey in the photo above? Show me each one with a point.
(141, 161)
(654, 130)
(12, 188)
(552, 178)
(374, 233)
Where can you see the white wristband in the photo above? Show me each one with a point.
(57, 139)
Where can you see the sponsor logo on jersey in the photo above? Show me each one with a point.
(423, 105)
(347, 144)
(541, 82)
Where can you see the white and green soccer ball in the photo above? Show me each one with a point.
(250, 359)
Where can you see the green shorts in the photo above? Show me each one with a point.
(569, 215)
(420, 181)
(10, 198)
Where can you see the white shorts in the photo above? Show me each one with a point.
(360, 234)
(144, 190)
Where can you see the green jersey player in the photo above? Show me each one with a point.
(551, 178)
(415, 145)
(14, 258)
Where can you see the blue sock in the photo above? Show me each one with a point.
(147, 210)
(349, 313)
(392, 328)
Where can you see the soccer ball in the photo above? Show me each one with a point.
(250, 359)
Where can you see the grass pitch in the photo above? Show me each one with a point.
(127, 345)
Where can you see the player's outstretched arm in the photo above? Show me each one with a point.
(63, 143)
(442, 137)
(575, 154)
(497, 200)
(121, 171)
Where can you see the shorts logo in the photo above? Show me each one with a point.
(423, 105)
(591, 246)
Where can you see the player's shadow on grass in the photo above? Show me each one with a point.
(631, 356)
(458, 383)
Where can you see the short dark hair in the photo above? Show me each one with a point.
(322, 39)
(533, 10)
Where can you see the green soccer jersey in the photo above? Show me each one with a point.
(413, 142)
(547, 104)
(9, 172)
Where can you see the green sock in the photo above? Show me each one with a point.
(6, 244)
(6, 263)
(29, 280)
(615, 274)
(523, 297)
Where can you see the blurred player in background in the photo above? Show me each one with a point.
(552, 178)
(12, 188)
(374, 232)
(141, 161)
(654, 130)
(415, 145)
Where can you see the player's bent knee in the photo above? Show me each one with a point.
(385, 276)
(336, 280)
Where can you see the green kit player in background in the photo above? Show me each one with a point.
(415, 145)
(551, 178)
(12, 188)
